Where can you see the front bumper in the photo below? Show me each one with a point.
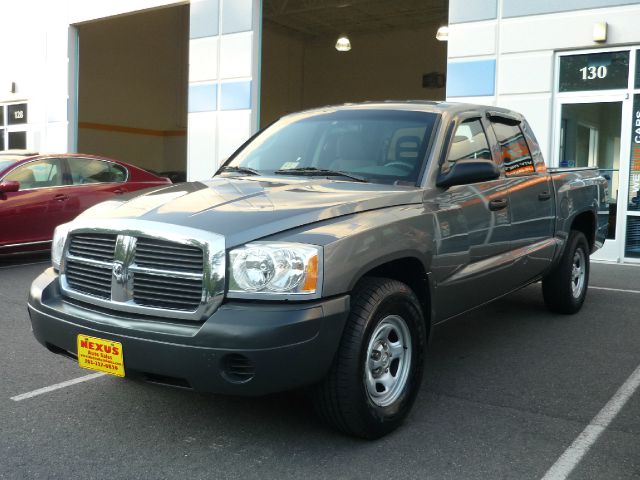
(284, 345)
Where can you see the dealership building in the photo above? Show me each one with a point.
(178, 86)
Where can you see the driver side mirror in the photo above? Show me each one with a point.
(9, 186)
(467, 171)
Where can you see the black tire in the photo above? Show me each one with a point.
(559, 287)
(342, 399)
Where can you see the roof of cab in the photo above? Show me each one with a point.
(451, 108)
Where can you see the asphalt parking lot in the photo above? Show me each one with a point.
(509, 388)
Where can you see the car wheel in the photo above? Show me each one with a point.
(377, 370)
(565, 287)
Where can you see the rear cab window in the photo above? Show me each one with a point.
(516, 156)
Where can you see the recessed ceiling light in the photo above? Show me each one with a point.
(343, 44)
(443, 33)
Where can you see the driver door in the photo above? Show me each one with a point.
(30, 214)
(473, 227)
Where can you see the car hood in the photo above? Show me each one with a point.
(248, 208)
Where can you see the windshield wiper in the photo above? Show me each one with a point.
(235, 169)
(319, 172)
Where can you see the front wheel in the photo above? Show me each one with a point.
(377, 371)
(565, 287)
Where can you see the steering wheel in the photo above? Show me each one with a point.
(403, 165)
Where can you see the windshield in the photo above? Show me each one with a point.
(381, 146)
(5, 163)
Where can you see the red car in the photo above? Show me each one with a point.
(39, 192)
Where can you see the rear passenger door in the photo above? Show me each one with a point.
(472, 229)
(530, 192)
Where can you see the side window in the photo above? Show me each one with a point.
(515, 152)
(468, 141)
(90, 170)
(38, 174)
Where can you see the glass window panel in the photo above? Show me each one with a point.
(469, 141)
(235, 56)
(236, 16)
(39, 174)
(514, 150)
(634, 166)
(1, 114)
(590, 137)
(88, 170)
(594, 71)
(1, 139)
(17, 140)
(17, 114)
(203, 18)
(638, 68)
(632, 245)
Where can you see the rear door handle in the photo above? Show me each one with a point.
(544, 196)
(497, 204)
(61, 197)
(119, 191)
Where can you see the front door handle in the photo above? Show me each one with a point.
(497, 204)
(61, 197)
(544, 196)
(119, 191)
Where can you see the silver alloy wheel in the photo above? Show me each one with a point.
(388, 361)
(578, 273)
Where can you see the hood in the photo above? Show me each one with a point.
(249, 208)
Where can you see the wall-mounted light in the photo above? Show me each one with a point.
(343, 44)
(12, 87)
(443, 33)
(600, 32)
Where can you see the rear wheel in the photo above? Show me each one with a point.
(377, 371)
(565, 287)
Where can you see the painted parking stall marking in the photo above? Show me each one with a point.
(57, 386)
(615, 289)
(583, 443)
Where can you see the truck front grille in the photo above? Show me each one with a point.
(145, 273)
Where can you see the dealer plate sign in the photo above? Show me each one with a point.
(101, 355)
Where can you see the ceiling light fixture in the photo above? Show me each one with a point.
(443, 33)
(343, 44)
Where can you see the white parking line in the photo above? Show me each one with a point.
(57, 386)
(581, 445)
(616, 289)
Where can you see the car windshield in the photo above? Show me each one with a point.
(5, 163)
(380, 146)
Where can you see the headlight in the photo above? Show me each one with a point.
(259, 270)
(57, 245)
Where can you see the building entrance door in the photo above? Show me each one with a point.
(590, 135)
(597, 109)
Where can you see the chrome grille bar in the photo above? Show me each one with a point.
(97, 247)
(163, 255)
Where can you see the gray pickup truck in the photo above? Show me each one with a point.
(322, 254)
